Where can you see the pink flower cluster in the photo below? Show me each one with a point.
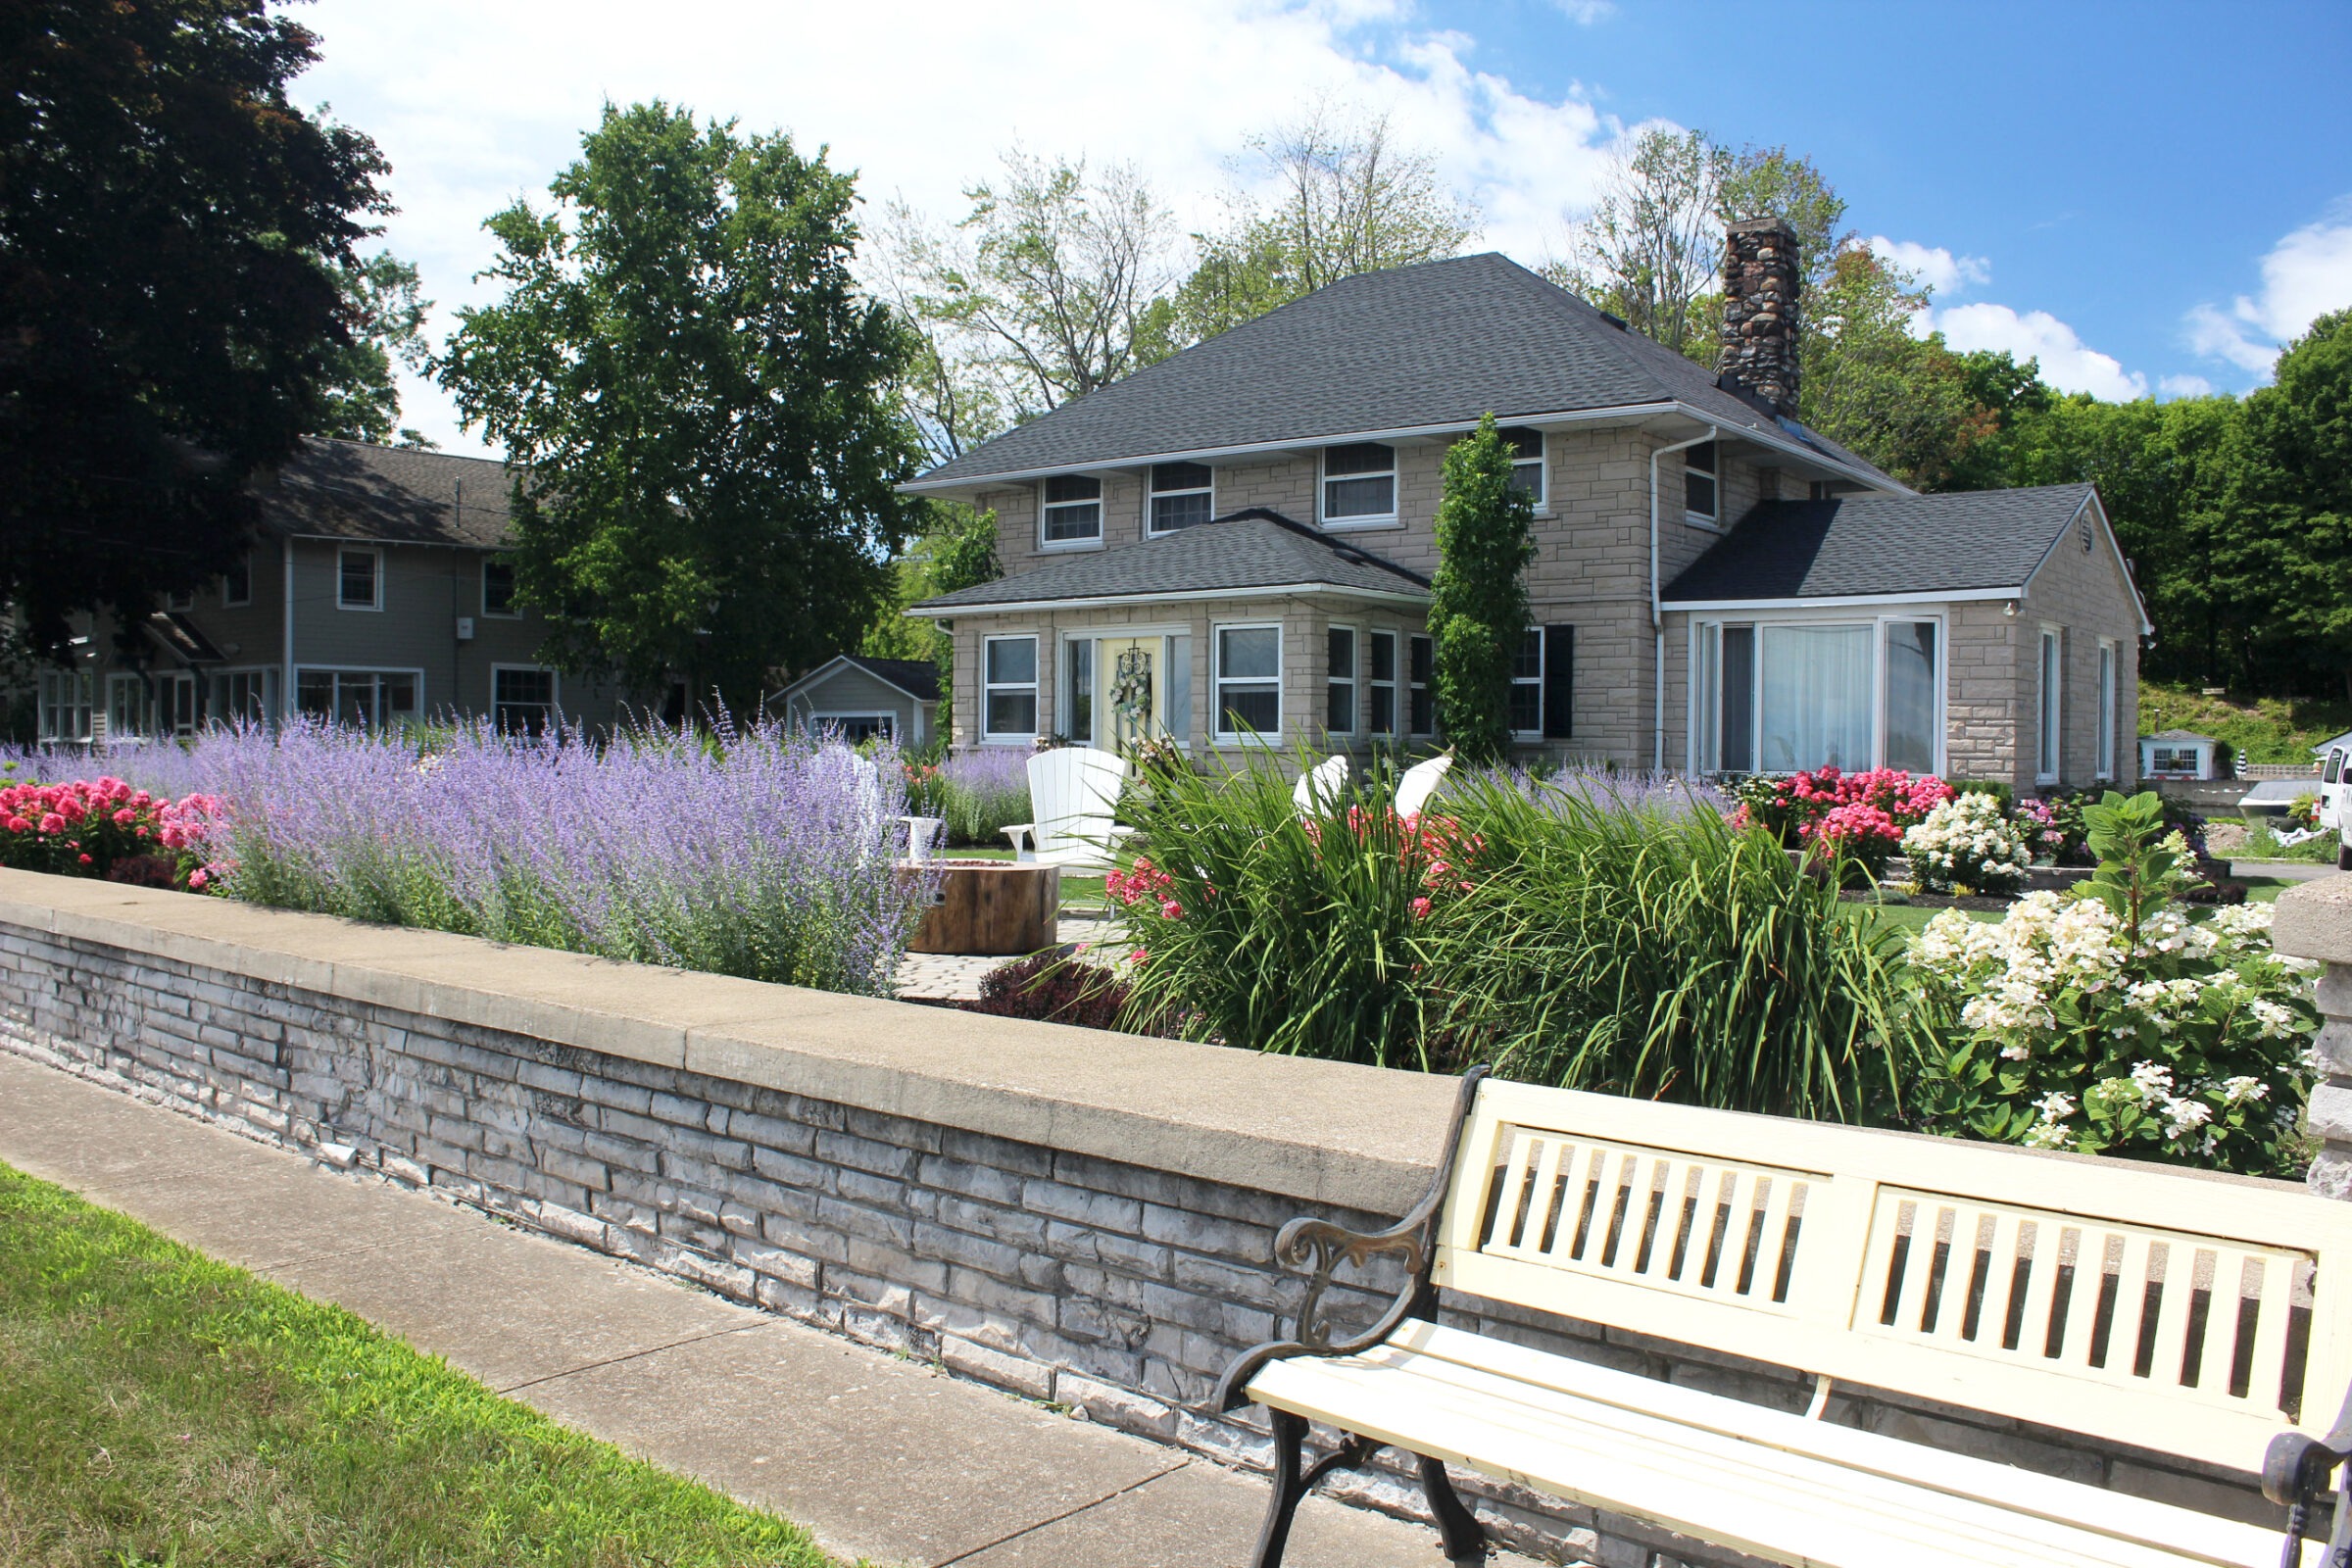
(1145, 883)
(1857, 810)
(104, 827)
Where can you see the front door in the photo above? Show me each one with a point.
(1131, 697)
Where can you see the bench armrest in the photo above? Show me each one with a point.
(2296, 1470)
(1320, 1246)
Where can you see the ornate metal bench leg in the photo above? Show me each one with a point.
(1458, 1530)
(1289, 1486)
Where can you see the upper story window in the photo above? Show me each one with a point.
(1073, 511)
(179, 601)
(359, 579)
(1527, 464)
(1182, 495)
(1359, 484)
(498, 587)
(1699, 501)
(236, 583)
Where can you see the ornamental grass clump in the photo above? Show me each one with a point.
(2111, 1022)
(1969, 845)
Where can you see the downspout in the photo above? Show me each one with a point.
(1657, 620)
(285, 674)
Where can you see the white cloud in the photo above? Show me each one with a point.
(2305, 275)
(477, 104)
(2066, 363)
(1934, 266)
(1584, 13)
(2184, 386)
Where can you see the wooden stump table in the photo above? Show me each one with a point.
(989, 907)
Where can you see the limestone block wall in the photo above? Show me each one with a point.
(1075, 1217)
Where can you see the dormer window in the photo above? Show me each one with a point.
(1359, 484)
(1698, 482)
(1182, 495)
(1527, 464)
(1073, 511)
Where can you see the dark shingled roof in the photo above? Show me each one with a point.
(1858, 546)
(1249, 549)
(919, 678)
(1437, 344)
(387, 495)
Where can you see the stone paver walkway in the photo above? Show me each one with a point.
(944, 977)
(883, 1458)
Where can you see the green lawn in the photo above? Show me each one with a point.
(157, 1408)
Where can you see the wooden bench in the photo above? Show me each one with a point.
(2143, 1308)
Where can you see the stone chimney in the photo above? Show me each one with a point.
(1760, 279)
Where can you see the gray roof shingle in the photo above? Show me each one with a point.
(1859, 545)
(919, 678)
(1250, 549)
(387, 495)
(1438, 344)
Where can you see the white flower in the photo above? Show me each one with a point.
(2015, 1052)
(2055, 1107)
(2048, 1135)
(2238, 1090)
(2183, 1116)
(2149, 1079)
(2276, 1022)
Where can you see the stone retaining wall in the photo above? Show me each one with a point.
(1076, 1217)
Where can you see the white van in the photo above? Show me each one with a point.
(2336, 784)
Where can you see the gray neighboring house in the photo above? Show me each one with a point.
(859, 697)
(1237, 542)
(374, 593)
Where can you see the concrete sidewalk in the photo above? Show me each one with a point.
(882, 1458)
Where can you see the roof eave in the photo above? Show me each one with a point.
(933, 609)
(1924, 596)
(1796, 449)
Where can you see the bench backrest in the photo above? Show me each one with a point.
(1073, 794)
(2182, 1313)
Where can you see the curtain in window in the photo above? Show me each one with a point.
(1815, 697)
(1911, 696)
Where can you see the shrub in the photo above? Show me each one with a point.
(1478, 595)
(1053, 987)
(1968, 845)
(104, 828)
(1861, 816)
(2000, 789)
(2111, 1023)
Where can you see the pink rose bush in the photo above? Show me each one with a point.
(103, 827)
(1861, 815)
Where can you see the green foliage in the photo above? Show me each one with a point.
(1652, 249)
(1999, 788)
(1902, 402)
(160, 1407)
(957, 551)
(1478, 595)
(171, 226)
(2254, 729)
(696, 397)
(385, 316)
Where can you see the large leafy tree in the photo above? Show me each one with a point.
(1651, 248)
(1904, 402)
(171, 226)
(385, 314)
(698, 402)
(1478, 596)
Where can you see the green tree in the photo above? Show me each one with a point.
(1478, 596)
(1899, 401)
(2293, 491)
(170, 228)
(959, 549)
(1651, 248)
(696, 401)
(385, 317)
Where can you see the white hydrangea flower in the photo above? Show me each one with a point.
(2275, 1021)
(2237, 1091)
(2048, 1135)
(2185, 1116)
(2055, 1107)
(2150, 1079)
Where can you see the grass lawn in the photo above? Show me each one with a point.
(157, 1408)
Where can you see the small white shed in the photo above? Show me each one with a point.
(2177, 754)
(859, 697)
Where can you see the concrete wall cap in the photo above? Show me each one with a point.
(2313, 920)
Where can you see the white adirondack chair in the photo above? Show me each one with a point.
(1319, 787)
(1419, 784)
(1073, 792)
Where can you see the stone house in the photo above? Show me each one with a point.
(1233, 548)
(375, 591)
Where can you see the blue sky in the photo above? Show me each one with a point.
(2151, 197)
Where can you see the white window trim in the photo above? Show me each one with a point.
(2049, 707)
(483, 581)
(1394, 684)
(1355, 682)
(1101, 634)
(340, 604)
(1152, 493)
(1394, 517)
(887, 722)
(1101, 504)
(124, 681)
(1700, 685)
(2111, 680)
(1217, 683)
(293, 698)
(239, 603)
(267, 673)
(1543, 466)
(1712, 522)
(1027, 736)
(78, 690)
(554, 684)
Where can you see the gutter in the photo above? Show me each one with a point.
(1658, 621)
(934, 611)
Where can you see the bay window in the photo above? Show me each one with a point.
(1338, 703)
(1009, 688)
(1421, 709)
(64, 702)
(1527, 685)
(1779, 696)
(1072, 509)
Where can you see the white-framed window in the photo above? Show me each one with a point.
(1420, 703)
(63, 705)
(177, 707)
(1527, 464)
(363, 699)
(857, 728)
(1359, 485)
(497, 589)
(1009, 688)
(2106, 753)
(245, 695)
(125, 707)
(1070, 512)
(236, 583)
(358, 579)
(1183, 494)
(1249, 681)
(1340, 676)
(2052, 706)
(1701, 498)
(1381, 687)
(1781, 696)
(522, 697)
(1527, 685)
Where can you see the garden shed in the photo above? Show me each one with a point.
(861, 697)
(2177, 754)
